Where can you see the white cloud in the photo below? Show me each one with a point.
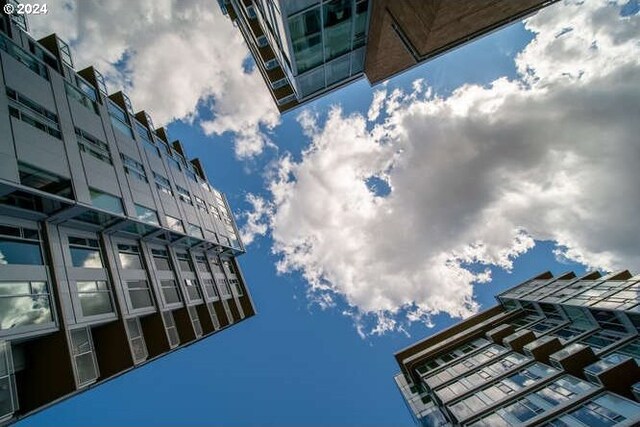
(170, 55)
(475, 177)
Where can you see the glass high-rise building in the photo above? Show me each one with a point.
(114, 247)
(306, 48)
(556, 351)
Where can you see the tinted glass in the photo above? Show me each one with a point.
(95, 303)
(106, 201)
(140, 298)
(24, 310)
(130, 261)
(19, 252)
(86, 258)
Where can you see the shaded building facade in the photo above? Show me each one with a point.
(114, 247)
(306, 48)
(556, 351)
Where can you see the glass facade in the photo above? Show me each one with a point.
(505, 379)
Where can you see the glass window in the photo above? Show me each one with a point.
(134, 168)
(33, 113)
(184, 195)
(306, 38)
(80, 97)
(23, 57)
(19, 250)
(163, 184)
(85, 253)
(93, 146)
(170, 291)
(195, 231)
(174, 224)
(95, 297)
(119, 119)
(210, 288)
(24, 304)
(130, 257)
(337, 28)
(184, 261)
(147, 215)
(192, 290)
(44, 181)
(139, 294)
(106, 201)
(161, 259)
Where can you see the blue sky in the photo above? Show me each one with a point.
(296, 363)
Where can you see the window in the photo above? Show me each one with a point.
(23, 57)
(170, 291)
(175, 224)
(44, 181)
(8, 394)
(139, 294)
(201, 262)
(262, 41)
(184, 195)
(194, 230)
(33, 113)
(173, 162)
(607, 409)
(200, 203)
(130, 257)
(163, 184)
(279, 83)
(147, 215)
(136, 339)
(144, 133)
(224, 288)
(95, 297)
(184, 261)
(306, 38)
(24, 304)
(236, 285)
(83, 356)
(119, 119)
(91, 145)
(271, 64)
(192, 290)
(86, 88)
(134, 168)
(106, 201)
(85, 253)
(210, 288)
(161, 259)
(79, 96)
(20, 245)
(170, 326)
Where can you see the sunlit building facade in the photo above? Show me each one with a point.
(114, 247)
(306, 48)
(556, 351)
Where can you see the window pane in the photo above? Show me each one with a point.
(140, 298)
(20, 252)
(95, 303)
(45, 181)
(130, 261)
(85, 258)
(162, 263)
(24, 310)
(171, 295)
(147, 215)
(106, 201)
(306, 39)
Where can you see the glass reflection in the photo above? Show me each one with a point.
(19, 252)
(86, 258)
(16, 311)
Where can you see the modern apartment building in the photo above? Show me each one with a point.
(556, 351)
(114, 247)
(306, 48)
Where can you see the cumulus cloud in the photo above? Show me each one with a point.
(476, 177)
(170, 56)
